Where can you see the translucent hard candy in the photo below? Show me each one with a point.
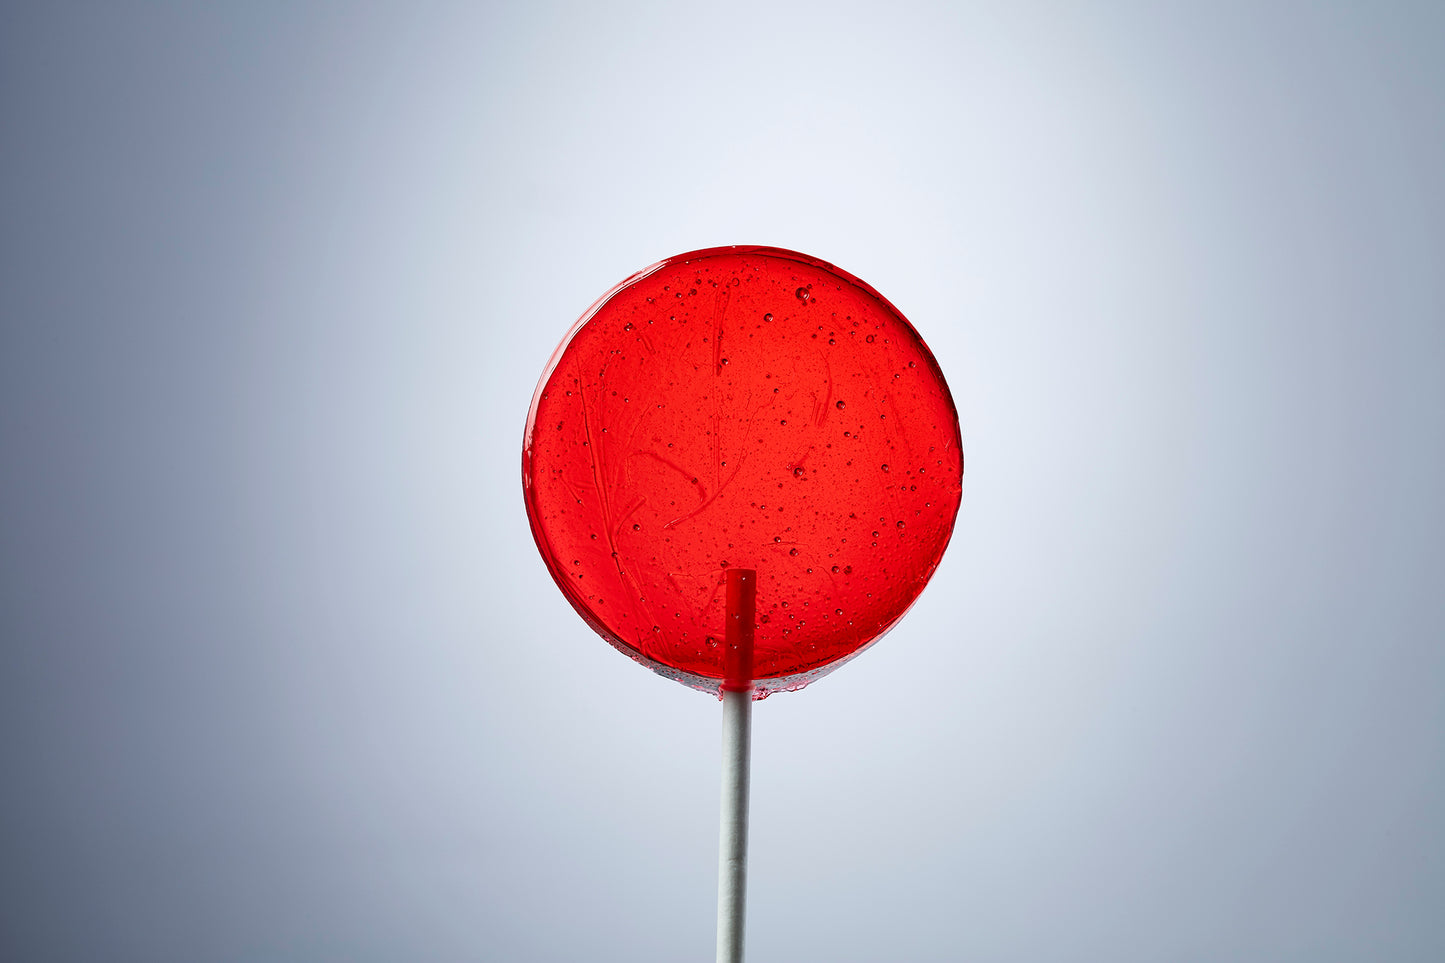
(747, 407)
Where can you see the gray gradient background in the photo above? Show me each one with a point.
(283, 677)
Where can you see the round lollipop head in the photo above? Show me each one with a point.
(742, 407)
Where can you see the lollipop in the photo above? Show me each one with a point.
(742, 466)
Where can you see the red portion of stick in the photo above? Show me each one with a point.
(742, 610)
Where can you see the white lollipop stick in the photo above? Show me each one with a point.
(737, 700)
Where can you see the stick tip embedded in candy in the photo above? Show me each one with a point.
(742, 595)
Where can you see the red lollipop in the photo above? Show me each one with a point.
(752, 408)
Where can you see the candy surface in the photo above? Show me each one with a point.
(747, 407)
